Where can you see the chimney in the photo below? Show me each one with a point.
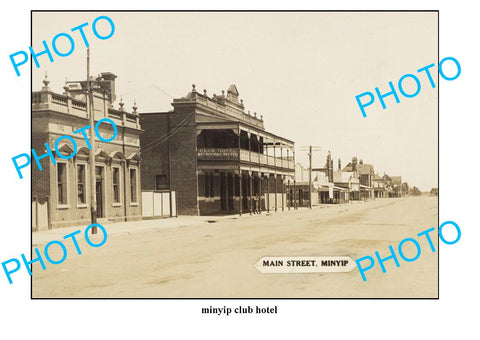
(339, 164)
(109, 77)
(361, 162)
(354, 164)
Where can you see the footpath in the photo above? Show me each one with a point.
(43, 237)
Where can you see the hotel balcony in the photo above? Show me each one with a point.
(245, 156)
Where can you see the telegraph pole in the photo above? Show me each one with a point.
(310, 151)
(310, 178)
(87, 87)
(91, 113)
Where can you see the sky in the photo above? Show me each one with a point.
(301, 71)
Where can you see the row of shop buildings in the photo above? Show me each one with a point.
(356, 181)
(206, 156)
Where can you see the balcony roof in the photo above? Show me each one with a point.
(244, 127)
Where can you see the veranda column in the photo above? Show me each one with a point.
(250, 180)
(294, 194)
(260, 192)
(275, 181)
(268, 192)
(289, 201)
(240, 200)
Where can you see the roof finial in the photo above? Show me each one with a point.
(193, 88)
(121, 103)
(204, 92)
(45, 83)
(134, 106)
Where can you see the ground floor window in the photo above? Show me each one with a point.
(161, 182)
(116, 184)
(62, 183)
(207, 184)
(133, 185)
(212, 184)
(81, 193)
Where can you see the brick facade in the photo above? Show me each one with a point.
(183, 166)
(213, 150)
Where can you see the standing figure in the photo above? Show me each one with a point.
(255, 203)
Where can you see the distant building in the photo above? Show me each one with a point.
(365, 174)
(348, 180)
(218, 158)
(393, 186)
(396, 183)
(65, 185)
(378, 184)
(302, 190)
(333, 187)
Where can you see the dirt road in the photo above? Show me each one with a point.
(218, 259)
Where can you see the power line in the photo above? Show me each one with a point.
(169, 134)
(151, 86)
(162, 139)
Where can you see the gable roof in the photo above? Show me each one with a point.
(396, 179)
(233, 90)
(365, 169)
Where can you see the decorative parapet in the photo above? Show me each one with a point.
(51, 101)
(226, 104)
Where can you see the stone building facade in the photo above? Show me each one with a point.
(66, 184)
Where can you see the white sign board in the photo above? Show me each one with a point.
(305, 264)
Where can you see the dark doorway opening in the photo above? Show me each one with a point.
(99, 190)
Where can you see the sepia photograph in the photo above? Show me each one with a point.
(234, 154)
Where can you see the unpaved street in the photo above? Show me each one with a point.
(218, 259)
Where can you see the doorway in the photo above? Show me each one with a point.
(99, 190)
(223, 192)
